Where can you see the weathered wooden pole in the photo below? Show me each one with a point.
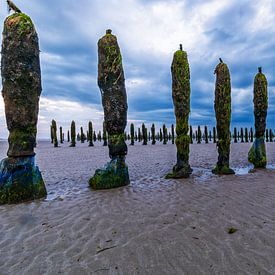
(111, 83)
(223, 116)
(181, 99)
(20, 178)
(257, 153)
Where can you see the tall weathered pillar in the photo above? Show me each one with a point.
(111, 83)
(20, 179)
(153, 131)
(132, 131)
(223, 117)
(90, 134)
(181, 98)
(257, 153)
(73, 134)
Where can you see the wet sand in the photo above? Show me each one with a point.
(153, 226)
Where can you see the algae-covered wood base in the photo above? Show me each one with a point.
(223, 170)
(180, 172)
(257, 153)
(20, 180)
(114, 174)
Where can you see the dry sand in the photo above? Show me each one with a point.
(153, 226)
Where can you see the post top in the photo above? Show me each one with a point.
(260, 69)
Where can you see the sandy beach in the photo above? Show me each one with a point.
(152, 226)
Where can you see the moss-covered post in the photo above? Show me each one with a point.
(73, 134)
(164, 130)
(235, 135)
(257, 153)
(166, 135)
(132, 133)
(242, 140)
(181, 99)
(223, 116)
(270, 135)
(246, 135)
(99, 136)
(144, 134)
(206, 134)
(54, 127)
(90, 134)
(82, 138)
(173, 134)
(153, 134)
(111, 83)
(61, 134)
(199, 135)
(51, 128)
(20, 178)
(139, 135)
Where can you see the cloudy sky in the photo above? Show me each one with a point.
(149, 31)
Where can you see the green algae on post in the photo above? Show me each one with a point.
(54, 130)
(257, 153)
(20, 178)
(61, 134)
(132, 132)
(144, 134)
(153, 131)
(90, 134)
(199, 135)
(206, 134)
(181, 99)
(73, 134)
(111, 83)
(223, 117)
(235, 135)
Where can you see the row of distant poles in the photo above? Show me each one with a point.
(164, 136)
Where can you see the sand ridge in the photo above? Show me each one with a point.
(152, 226)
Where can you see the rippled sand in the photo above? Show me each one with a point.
(153, 226)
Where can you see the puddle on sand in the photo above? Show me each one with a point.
(201, 174)
(270, 166)
(243, 170)
(249, 169)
